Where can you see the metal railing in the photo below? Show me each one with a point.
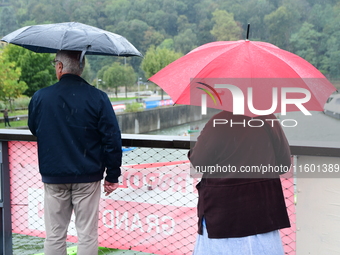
(154, 210)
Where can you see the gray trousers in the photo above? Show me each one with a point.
(59, 202)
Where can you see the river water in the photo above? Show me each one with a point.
(316, 129)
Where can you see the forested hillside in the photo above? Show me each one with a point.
(309, 28)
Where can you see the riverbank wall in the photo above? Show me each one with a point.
(161, 118)
(151, 119)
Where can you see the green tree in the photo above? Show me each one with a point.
(168, 44)
(115, 11)
(183, 23)
(100, 73)
(157, 19)
(253, 13)
(151, 37)
(185, 41)
(320, 16)
(85, 14)
(118, 75)
(10, 85)
(305, 43)
(8, 21)
(332, 57)
(41, 13)
(97, 62)
(203, 32)
(87, 72)
(157, 58)
(132, 30)
(36, 69)
(225, 27)
(279, 27)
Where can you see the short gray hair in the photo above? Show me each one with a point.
(71, 61)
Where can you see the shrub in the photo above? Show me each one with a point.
(134, 107)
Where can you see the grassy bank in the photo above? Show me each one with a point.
(23, 103)
(30, 245)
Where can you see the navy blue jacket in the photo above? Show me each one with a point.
(77, 132)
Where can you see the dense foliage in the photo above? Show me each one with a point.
(116, 75)
(309, 28)
(10, 85)
(157, 58)
(36, 69)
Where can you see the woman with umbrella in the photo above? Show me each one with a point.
(240, 212)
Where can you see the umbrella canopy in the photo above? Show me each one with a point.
(262, 75)
(74, 36)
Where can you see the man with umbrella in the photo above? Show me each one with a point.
(76, 128)
(78, 140)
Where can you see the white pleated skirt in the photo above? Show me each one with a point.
(262, 244)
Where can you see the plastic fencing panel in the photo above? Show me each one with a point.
(153, 211)
(288, 235)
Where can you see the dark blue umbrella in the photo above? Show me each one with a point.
(74, 36)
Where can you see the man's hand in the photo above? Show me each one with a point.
(109, 187)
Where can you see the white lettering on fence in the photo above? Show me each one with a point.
(160, 224)
(113, 219)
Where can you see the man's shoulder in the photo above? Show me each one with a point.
(94, 91)
(44, 90)
(80, 86)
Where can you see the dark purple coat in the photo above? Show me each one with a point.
(234, 203)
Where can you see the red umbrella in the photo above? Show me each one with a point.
(258, 78)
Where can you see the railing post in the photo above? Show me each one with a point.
(5, 203)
